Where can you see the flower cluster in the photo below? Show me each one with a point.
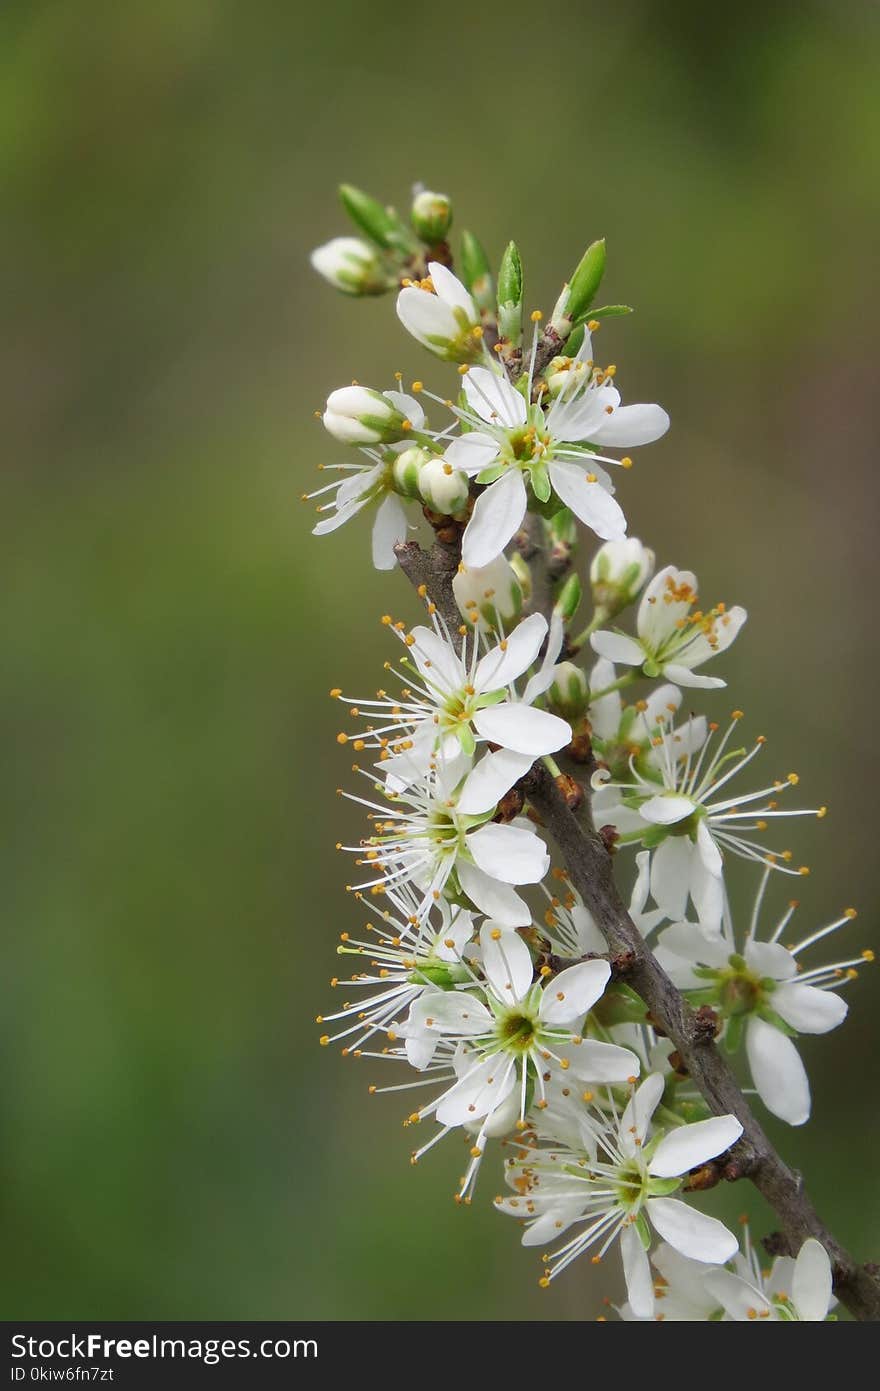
(482, 976)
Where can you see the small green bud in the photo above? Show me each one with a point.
(562, 529)
(359, 415)
(475, 271)
(570, 693)
(352, 266)
(406, 470)
(578, 295)
(618, 573)
(568, 598)
(379, 224)
(444, 488)
(510, 295)
(431, 216)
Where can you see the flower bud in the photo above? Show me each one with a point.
(353, 267)
(579, 294)
(431, 216)
(510, 295)
(489, 595)
(618, 573)
(565, 375)
(570, 693)
(444, 488)
(380, 224)
(407, 469)
(475, 271)
(358, 415)
(568, 598)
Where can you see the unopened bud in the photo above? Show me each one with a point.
(444, 488)
(491, 594)
(618, 573)
(569, 695)
(565, 375)
(568, 598)
(431, 216)
(407, 469)
(358, 415)
(475, 271)
(353, 267)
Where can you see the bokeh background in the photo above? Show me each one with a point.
(176, 1144)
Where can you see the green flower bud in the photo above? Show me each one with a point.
(431, 216)
(568, 598)
(444, 488)
(578, 295)
(475, 271)
(570, 693)
(359, 415)
(406, 470)
(380, 224)
(510, 295)
(353, 267)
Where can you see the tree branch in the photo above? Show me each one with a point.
(589, 866)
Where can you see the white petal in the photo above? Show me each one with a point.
(777, 1072)
(494, 775)
(426, 316)
(617, 647)
(628, 426)
(507, 962)
(638, 1112)
(471, 453)
(740, 1300)
(504, 664)
(685, 677)
(637, 1273)
(670, 875)
(811, 1284)
(408, 406)
(695, 944)
(666, 808)
(574, 991)
(709, 852)
(479, 1092)
(688, 1146)
(438, 663)
(770, 959)
(420, 1049)
(493, 398)
(497, 516)
(692, 1233)
(807, 1009)
(451, 290)
(450, 1011)
(338, 519)
(589, 501)
(510, 854)
(589, 938)
(592, 1061)
(523, 728)
(707, 893)
(550, 1225)
(498, 901)
(389, 528)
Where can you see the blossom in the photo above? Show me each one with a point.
(459, 699)
(625, 736)
(792, 1291)
(512, 1032)
(422, 838)
(624, 1193)
(673, 637)
(674, 808)
(407, 956)
(760, 991)
(682, 1293)
(440, 313)
(372, 484)
(509, 438)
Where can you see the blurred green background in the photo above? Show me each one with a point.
(176, 1145)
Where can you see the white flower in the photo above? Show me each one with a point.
(442, 316)
(672, 639)
(624, 736)
(460, 699)
(618, 573)
(675, 809)
(360, 415)
(624, 1193)
(681, 1291)
(511, 438)
(353, 267)
(570, 926)
(759, 989)
(792, 1291)
(371, 485)
(512, 1032)
(407, 957)
(422, 838)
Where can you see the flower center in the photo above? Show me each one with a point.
(517, 1031)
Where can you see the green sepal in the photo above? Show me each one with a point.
(608, 311)
(540, 481)
(771, 1017)
(475, 272)
(466, 740)
(490, 474)
(733, 1034)
(644, 1231)
(662, 1187)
